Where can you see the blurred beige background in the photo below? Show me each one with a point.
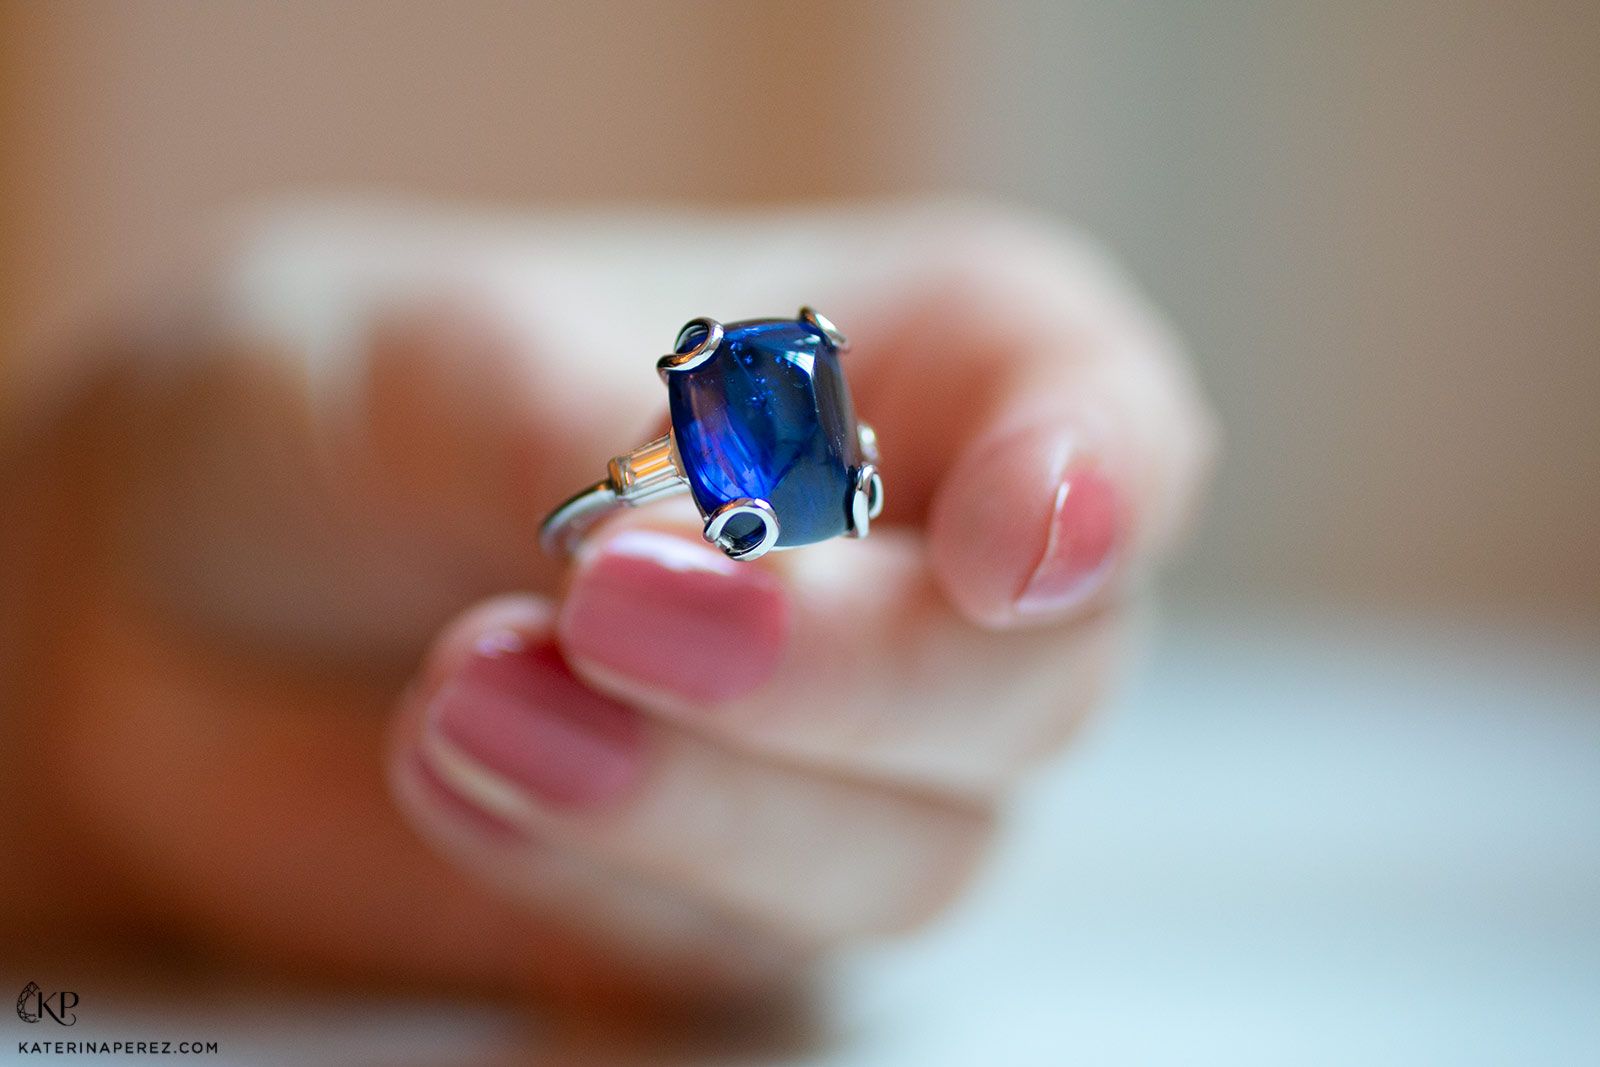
(1379, 224)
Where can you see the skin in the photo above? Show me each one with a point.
(265, 525)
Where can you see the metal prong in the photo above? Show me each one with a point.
(718, 521)
(866, 501)
(676, 361)
(825, 324)
(869, 442)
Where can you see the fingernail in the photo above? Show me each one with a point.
(442, 795)
(675, 616)
(1081, 546)
(517, 711)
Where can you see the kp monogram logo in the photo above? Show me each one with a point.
(34, 1004)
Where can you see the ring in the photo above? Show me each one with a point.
(764, 437)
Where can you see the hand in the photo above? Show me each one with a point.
(652, 770)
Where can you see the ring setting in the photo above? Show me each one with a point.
(763, 436)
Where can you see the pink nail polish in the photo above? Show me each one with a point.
(676, 616)
(1082, 545)
(517, 711)
(456, 805)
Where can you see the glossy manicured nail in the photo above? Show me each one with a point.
(461, 810)
(675, 616)
(1082, 544)
(516, 711)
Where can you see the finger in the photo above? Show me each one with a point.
(845, 655)
(1072, 442)
(951, 306)
(606, 936)
(513, 374)
(501, 719)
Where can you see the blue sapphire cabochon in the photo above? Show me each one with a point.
(769, 417)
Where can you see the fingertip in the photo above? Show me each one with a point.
(497, 722)
(514, 617)
(1028, 525)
